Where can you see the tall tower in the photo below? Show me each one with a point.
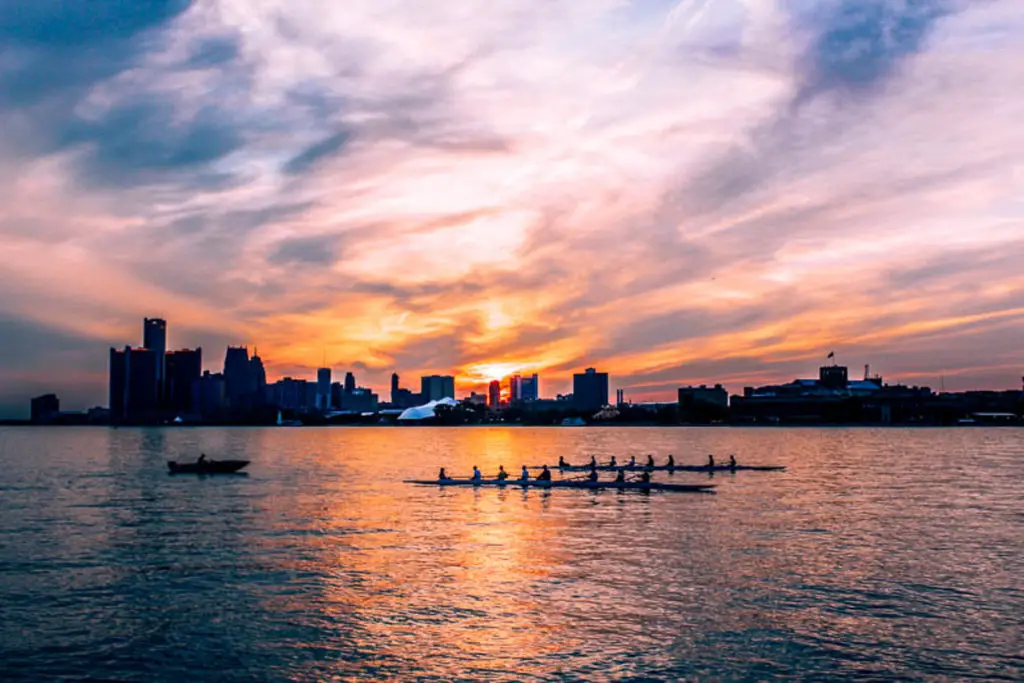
(350, 382)
(154, 338)
(494, 394)
(323, 388)
(394, 387)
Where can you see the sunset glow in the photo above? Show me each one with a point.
(673, 192)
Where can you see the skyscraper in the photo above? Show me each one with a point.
(133, 387)
(236, 375)
(515, 389)
(323, 389)
(394, 387)
(350, 382)
(590, 390)
(257, 379)
(182, 369)
(154, 337)
(494, 394)
(529, 388)
(436, 387)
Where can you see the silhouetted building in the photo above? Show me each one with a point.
(182, 369)
(494, 394)
(394, 387)
(209, 394)
(590, 390)
(620, 397)
(436, 387)
(44, 408)
(337, 391)
(475, 399)
(359, 400)
(515, 388)
(290, 394)
(323, 389)
(133, 386)
(833, 376)
(154, 337)
(529, 388)
(236, 376)
(716, 395)
(350, 382)
(257, 379)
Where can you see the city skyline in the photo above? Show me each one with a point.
(674, 193)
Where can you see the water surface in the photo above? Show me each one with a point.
(878, 554)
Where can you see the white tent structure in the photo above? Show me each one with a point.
(425, 412)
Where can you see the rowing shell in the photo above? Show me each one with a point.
(667, 468)
(591, 485)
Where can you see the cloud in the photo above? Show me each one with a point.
(674, 192)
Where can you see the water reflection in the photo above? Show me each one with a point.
(876, 554)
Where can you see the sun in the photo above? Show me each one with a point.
(485, 372)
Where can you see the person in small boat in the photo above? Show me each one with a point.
(593, 461)
(671, 460)
(442, 475)
(592, 476)
(562, 462)
(650, 461)
(545, 474)
(476, 474)
(202, 459)
(611, 463)
(502, 474)
(632, 461)
(711, 460)
(732, 461)
(645, 477)
(525, 476)
(620, 478)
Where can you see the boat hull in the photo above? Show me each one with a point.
(667, 468)
(208, 467)
(589, 485)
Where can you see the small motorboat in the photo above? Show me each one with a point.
(206, 466)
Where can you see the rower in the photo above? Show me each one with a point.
(620, 478)
(545, 474)
(561, 462)
(650, 461)
(502, 474)
(593, 472)
(645, 477)
(671, 460)
(442, 475)
(632, 461)
(476, 474)
(711, 460)
(732, 461)
(593, 461)
(611, 463)
(525, 476)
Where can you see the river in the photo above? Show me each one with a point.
(878, 554)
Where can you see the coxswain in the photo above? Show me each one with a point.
(476, 474)
(562, 462)
(442, 475)
(502, 474)
(545, 474)
(650, 461)
(593, 472)
(671, 460)
(620, 478)
(732, 461)
(711, 460)
(525, 476)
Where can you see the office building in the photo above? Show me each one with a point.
(133, 386)
(154, 338)
(45, 408)
(436, 387)
(257, 378)
(289, 393)
(181, 370)
(716, 395)
(515, 389)
(590, 390)
(529, 388)
(350, 382)
(494, 394)
(209, 394)
(395, 388)
(323, 389)
(236, 375)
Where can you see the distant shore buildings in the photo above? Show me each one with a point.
(151, 385)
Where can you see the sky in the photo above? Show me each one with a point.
(673, 192)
